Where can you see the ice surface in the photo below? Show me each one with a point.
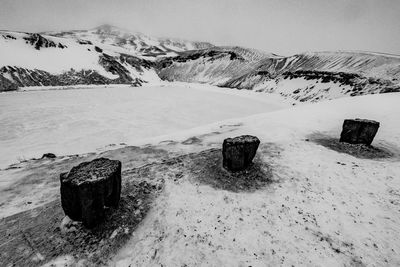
(326, 208)
(80, 121)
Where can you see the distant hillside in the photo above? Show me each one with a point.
(304, 77)
(215, 65)
(104, 55)
(137, 43)
(110, 55)
(31, 59)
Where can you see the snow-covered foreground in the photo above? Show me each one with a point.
(322, 208)
(325, 208)
(80, 121)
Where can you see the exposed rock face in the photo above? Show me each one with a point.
(22, 77)
(48, 156)
(213, 65)
(6, 85)
(137, 82)
(39, 41)
(238, 152)
(359, 131)
(98, 49)
(90, 186)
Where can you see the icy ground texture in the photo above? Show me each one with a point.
(79, 121)
(324, 209)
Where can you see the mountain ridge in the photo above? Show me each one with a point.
(136, 42)
(311, 76)
(110, 55)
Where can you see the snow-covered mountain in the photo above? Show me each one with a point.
(109, 55)
(135, 42)
(31, 59)
(304, 77)
(104, 55)
(215, 65)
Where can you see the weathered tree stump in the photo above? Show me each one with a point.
(90, 186)
(359, 131)
(238, 152)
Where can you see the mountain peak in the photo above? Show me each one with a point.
(107, 28)
(104, 26)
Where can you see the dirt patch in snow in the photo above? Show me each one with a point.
(36, 182)
(207, 168)
(356, 150)
(34, 237)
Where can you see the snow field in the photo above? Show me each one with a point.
(79, 121)
(327, 209)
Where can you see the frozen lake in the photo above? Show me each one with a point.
(83, 120)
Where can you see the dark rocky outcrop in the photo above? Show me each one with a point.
(49, 156)
(325, 76)
(238, 152)
(7, 36)
(6, 84)
(137, 82)
(207, 54)
(136, 62)
(84, 42)
(110, 64)
(38, 41)
(88, 188)
(359, 131)
(98, 49)
(22, 77)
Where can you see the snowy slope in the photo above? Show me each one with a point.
(28, 59)
(325, 208)
(316, 76)
(137, 43)
(368, 64)
(215, 65)
(103, 55)
(64, 55)
(322, 207)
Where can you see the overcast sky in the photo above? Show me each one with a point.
(278, 26)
